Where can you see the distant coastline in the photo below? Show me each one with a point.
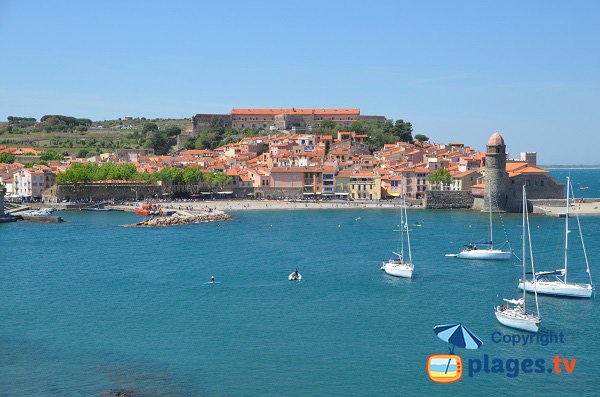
(572, 167)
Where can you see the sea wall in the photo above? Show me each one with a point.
(101, 192)
(447, 199)
(2, 192)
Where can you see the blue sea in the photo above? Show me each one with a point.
(586, 181)
(88, 306)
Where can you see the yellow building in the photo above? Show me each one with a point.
(365, 186)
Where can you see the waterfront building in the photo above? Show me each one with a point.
(342, 184)
(329, 181)
(391, 186)
(31, 182)
(313, 182)
(287, 177)
(365, 185)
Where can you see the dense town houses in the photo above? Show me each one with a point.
(310, 166)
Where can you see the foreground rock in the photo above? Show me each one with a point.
(178, 219)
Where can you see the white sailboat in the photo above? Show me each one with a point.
(514, 312)
(484, 250)
(398, 265)
(555, 282)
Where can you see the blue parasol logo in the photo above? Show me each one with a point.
(457, 335)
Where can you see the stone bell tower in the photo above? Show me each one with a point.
(496, 177)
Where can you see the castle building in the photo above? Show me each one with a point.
(279, 119)
(504, 180)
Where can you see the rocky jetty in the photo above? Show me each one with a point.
(179, 219)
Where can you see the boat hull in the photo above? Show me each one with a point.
(558, 288)
(398, 270)
(293, 277)
(530, 325)
(496, 255)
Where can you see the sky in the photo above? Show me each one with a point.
(457, 70)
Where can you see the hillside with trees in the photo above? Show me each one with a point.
(82, 136)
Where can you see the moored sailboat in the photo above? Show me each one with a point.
(484, 250)
(514, 312)
(399, 265)
(555, 282)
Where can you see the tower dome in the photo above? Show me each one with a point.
(496, 140)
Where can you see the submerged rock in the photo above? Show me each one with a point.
(120, 393)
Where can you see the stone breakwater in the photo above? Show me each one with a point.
(178, 219)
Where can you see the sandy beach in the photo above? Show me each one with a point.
(195, 207)
(584, 208)
(244, 205)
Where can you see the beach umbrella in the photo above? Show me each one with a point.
(457, 335)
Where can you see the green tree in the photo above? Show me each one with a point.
(421, 138)
(51, 155)
(217, 180)
(7, 158)
(192, 175)
(190, 144)
(172, 130)
(403, 130)
(207, 140)
(328, 125)
(149, 127)
(440, 178)
(159, 142)
(82, 153)
(33, 163)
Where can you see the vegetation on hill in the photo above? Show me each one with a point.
(379, 133)
(7, 158)
(82, 135)
(74, 135)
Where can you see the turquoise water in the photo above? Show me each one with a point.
(583, 177)
(89, 306)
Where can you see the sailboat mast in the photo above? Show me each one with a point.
(402, 227)
(407, 231)
(524, 253)
(490, 205)
(587, 263)
(537, 307)
(567, 228)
